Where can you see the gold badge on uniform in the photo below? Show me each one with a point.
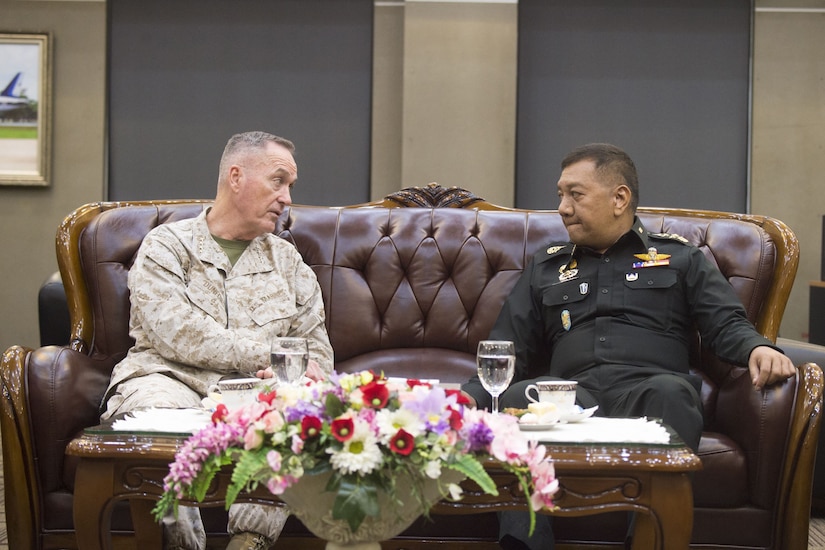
(568, 272)
(565, 319)
(651, 259)
(554, 249)
(568, 275)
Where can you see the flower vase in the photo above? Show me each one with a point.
(309, 502)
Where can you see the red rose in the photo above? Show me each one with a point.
(456, 420)
(267, 397)
(310, 427)
(462, 399)
(402, 443)
(375, 394)
(220, 413)
(342, 428)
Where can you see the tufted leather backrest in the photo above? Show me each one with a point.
(406, 289)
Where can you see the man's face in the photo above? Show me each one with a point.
(587, 204)
(265, 179)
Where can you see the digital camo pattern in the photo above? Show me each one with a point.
(196, 318)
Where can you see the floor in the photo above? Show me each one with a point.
(816, 539)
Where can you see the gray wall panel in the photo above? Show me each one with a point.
(187, 74)
(667, 80)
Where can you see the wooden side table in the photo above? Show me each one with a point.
(653, 480)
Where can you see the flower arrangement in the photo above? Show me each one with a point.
(365, 430)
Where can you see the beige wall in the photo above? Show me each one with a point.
(30, 216)
(788, 165)
(444, 97)
(444, 82)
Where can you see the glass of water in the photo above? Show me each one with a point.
(288, 358)
(496, 360)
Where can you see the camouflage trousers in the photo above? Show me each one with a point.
(186, 531)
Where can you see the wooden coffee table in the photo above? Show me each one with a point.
(652, 480)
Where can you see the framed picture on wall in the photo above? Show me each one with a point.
(25, 109)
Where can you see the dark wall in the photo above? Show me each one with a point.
(667, 80)
(184, 75)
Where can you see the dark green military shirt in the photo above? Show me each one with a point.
(573, 309)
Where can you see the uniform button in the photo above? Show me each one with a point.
(564, 297)
(604, 291)
(649, 283)
(607, 260)
(602, 338)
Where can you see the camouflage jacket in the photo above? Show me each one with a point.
(197, 318)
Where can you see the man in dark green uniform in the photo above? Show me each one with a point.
(616, 309)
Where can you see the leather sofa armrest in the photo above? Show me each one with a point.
(758, 421)
(49, 395)
(64, 389)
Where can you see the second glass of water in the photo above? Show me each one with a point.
(496, 360)
(288, 358)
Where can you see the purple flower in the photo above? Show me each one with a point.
(478, 436)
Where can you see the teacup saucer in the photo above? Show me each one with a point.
(578, 414)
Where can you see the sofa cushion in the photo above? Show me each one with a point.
(723, 480)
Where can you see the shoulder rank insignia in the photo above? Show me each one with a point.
(651, 259)
(671, 236)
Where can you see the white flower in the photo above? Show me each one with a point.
(433, 469)
(389, 422)
(456, 492)
(360, 453)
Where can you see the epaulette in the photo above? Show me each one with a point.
(670, 236)
(553, 249)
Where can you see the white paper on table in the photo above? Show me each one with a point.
(164, 420)
(604, 430)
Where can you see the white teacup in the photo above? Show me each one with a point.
(561, 393)
(236, 392)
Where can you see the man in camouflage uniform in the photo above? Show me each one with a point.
(615, 309)
(208, 295)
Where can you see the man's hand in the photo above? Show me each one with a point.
(314, 372)
(767, 366)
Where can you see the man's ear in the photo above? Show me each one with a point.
(621, 199)
(235, 174)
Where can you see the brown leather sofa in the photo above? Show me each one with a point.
(411, 284)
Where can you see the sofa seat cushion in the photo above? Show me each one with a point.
(723, 480)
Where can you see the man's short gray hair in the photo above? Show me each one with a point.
(241, 143)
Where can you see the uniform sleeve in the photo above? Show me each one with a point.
(719, 313)
(309, 322)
